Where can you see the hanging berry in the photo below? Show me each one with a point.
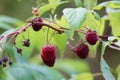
(82, 50)
(36, 24)
(48, 55)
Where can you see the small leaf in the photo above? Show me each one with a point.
(75, 16)
(50, 6)
(84, 76)
(104, 66)
(78, 3)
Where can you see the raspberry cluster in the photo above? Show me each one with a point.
(82, 50)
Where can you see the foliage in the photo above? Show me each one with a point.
(84, 16)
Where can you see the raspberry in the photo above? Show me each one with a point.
(5, 59)
(48, 55)
(82, 50)
(91, 37)
(36, 25)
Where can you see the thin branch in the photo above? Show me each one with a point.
(15, 33)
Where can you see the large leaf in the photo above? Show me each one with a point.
(32, 72)
(75, 16)
(104, 66)
(110, 4)
(60, 42)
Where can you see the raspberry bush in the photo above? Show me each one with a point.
(45, 45)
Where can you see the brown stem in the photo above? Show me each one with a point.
(15, 33)
(104, 37)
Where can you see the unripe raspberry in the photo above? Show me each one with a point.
(36, 25)
(82, 50)
(48, 55)
(91, 37)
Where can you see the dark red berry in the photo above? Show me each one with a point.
(26, 43)
(3, 65)
(91, 37)
(19, 50)
(5, 59)
(37, 24)
(48, 55)
(82, 50)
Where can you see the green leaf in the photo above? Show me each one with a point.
(111, 10)
(20, 73)
(32, 72)
(51, 5)
(64, 23)
(90, 4)
(97, 16)
(5, 26)
(78, 3)
(84, 76)
(104, 66)
(7, 19)
(110, 4)
(115, 19)
(73, 66)
(75, 16)
(60, 42)
(44, 73)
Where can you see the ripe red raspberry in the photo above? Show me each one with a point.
(91, 37)
(36, 25)
(48, 55)
(82, 50)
